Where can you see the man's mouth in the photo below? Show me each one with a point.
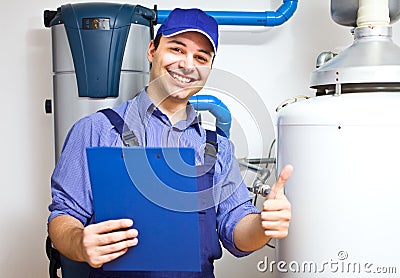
(180, 78)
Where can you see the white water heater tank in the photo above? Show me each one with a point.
(345, 187)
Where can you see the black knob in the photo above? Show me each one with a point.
(48, 17)
(47, 106)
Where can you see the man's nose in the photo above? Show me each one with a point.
(186, 63)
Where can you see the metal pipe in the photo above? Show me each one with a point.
(260, 160)
(249, 166)
(267, 18)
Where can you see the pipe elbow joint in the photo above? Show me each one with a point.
(283, 14)
(217, 108)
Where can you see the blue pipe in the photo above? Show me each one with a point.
(267, 18)
(216, 107)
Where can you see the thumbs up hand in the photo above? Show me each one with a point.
(276, 213)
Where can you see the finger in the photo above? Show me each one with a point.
(277, 190)
(110, 257)
(117, 247)
(96, 255)
(110, 225)
(276, 234)
(284, 215)
(113, 237)
(99, 261)
(276, 204)
(275, 225)
(275, 229)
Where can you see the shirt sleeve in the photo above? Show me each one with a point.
(234, 201)
(70, 183)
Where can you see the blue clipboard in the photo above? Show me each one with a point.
(156, 188)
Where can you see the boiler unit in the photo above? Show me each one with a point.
(344, 146)
(99, 55)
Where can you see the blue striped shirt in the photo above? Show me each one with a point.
(71, 190)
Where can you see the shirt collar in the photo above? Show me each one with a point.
(146, 108)
(144, 104)
(192, 118)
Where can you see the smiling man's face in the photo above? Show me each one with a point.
(180, 64)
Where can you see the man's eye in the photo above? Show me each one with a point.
(176, 49)
(202, 59)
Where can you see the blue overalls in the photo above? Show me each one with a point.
(209, 241)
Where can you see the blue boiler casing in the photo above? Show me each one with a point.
(99, 59)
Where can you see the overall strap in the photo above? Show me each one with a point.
(209, 240)
(128, 137)
(211, 148)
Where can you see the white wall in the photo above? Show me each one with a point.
(276, 63)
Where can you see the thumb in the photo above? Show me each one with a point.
(277, 190)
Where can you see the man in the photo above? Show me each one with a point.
(181, 57)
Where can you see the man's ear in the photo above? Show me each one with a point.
(150, 51)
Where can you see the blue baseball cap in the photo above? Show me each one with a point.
(186, 20)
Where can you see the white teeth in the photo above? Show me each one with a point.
(180, 78)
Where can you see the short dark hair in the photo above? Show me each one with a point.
(157, 41)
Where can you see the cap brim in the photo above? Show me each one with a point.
(174, 33)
